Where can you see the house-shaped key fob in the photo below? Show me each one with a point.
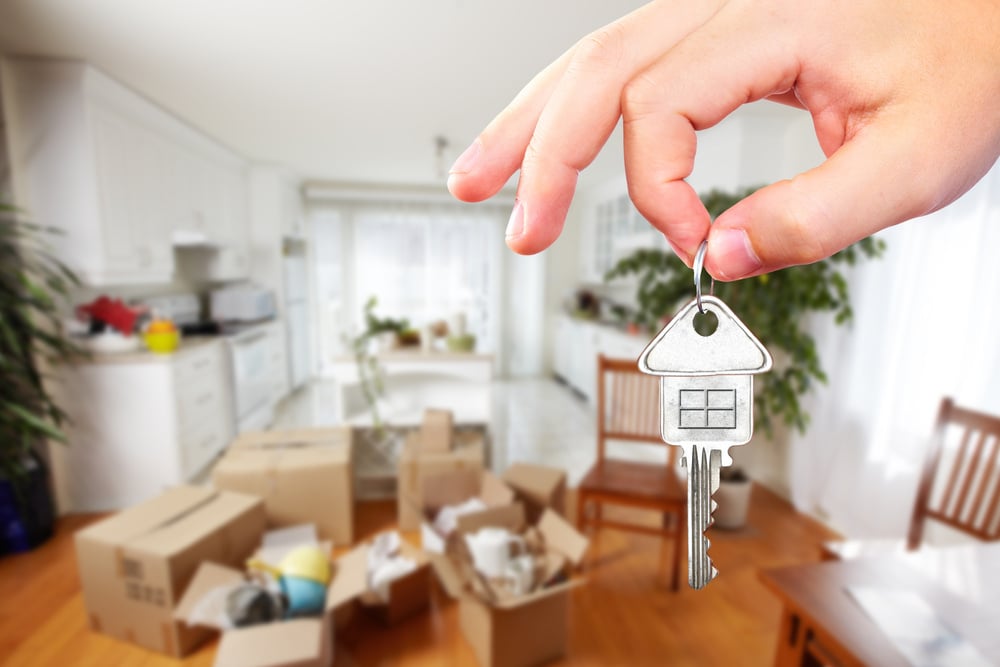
(706, 382)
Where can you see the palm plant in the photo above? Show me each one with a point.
(33, 286)
(774, 306)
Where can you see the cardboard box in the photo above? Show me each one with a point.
(301, 642)
(304, 476)
(308, 642)
(451, 488)
(408, 595)
(416, 464)
(517, 631)
(437, 431)
(538, 488)
(135, 565)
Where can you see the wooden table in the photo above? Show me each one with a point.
(822, 624)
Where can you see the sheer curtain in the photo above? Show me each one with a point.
(927, 325)
(423, 262)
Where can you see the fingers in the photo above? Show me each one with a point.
(727, 63)
(824, 210)
(486, 165)
(582, 112)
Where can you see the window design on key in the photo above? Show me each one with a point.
(708, 408)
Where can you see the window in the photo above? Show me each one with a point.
(422, 262)
(708, 408)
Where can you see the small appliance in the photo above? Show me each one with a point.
(242, 303)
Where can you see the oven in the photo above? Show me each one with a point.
(250, 358)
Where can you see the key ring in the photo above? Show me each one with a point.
(699, 264)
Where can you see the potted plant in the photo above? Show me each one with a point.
(32, 286)
(774, 306)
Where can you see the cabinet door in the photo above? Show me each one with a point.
(561, 355)
(134, 223)
(118, 185)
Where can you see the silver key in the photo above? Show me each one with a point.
(706, 406)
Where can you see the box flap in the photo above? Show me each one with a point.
(287, 448)
(195, 522)
(436, 431)
(447, 574)
(350, 578)
(158, 511)
(534, 480)
(562, 537)
(305, 437)
(207, 577)
(451, 487)
(509, 516)
(493, 491)
(294, 643)
(515, 602)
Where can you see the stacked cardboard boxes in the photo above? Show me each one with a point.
(432, 450)
(303, 476)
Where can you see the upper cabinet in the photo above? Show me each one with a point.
(124, 180)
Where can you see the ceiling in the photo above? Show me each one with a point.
(348, 91)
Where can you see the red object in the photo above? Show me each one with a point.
(112, 312)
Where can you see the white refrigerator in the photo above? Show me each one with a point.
(297, 317)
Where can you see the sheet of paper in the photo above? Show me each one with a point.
(915, 630)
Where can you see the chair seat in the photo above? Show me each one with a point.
(633, 479)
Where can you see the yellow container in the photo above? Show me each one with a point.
(163, 342)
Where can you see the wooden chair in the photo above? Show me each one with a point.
(628, 408)
(960, 489)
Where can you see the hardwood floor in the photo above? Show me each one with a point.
(624, 615)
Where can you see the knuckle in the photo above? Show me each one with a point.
(802, 223)
(602, 49)
(639, 96)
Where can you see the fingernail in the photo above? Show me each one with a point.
(515, 226)
(732, 253)
(467, 160)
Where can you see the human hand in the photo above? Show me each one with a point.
(904, 96)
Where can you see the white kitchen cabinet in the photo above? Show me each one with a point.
(578, 344)
(140, 423)
(122, 178)
(278, 363)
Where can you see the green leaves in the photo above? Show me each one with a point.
(776, 307)
(33, 286)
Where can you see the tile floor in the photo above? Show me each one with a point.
(535, 420)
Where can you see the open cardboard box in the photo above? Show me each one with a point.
(452, 487)
(522, 631)
(538, 488)
(417, 462)
(135, 564)
(304, 476)
(308, 642)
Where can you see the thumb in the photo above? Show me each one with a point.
(871, 182)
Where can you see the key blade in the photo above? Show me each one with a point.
(703, 480)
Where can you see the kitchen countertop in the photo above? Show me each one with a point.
(188, 343)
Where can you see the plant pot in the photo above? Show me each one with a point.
(733, 498)
(27, 515)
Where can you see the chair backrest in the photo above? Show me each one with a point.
(628, 405)
(960, 486)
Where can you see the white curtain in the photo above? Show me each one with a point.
(423, 262)
(926, 325)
